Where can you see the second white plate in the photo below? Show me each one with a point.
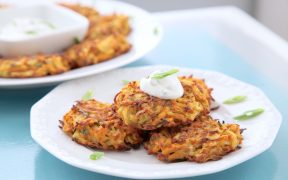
(259, 136)
(146, 34)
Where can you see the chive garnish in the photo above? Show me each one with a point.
(249, 114)
(38, 64)
(3, 74)
(76, 40)
(48, 24)
(84, 131)
(96, 155)
(88, 95)
(31, 32)
(125, 82)
(164, 74)
(155, 31)
(235, 99)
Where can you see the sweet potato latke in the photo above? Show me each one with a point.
(34, 66)
(146, 112)
(93, 51)
(106, 39)
(96, 125)
(107, 25)
(205, 139)
(173, 130)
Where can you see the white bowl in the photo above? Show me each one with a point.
(69, 25)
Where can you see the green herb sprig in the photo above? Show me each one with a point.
(96, 155)
(249, 114)
(31, 32)
(125, 82)
(164, 74)
(156, 31)
(76, 40)
(47, 23)
(235, 99)
(88, 95)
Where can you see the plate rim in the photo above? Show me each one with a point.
(181, 174)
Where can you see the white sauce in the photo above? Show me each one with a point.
(168, 87)
(25, 27)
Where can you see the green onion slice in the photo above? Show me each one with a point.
(155, 31)
(125, 82)
(235, 99)
(88, 95)
(164, 74)
(31, 32)
(76, 40)
(96, 155)
(47, 23)
(249, 114)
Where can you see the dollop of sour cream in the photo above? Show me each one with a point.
(25, 27)
(168, 87)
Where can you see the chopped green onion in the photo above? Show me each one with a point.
(88, 95)
(155, 31)
(249, 114)
(235, 99)
(31, 32)
(38, 64)
(76, 40)
(3, 74)
(84, 131)
(96, 155)
(164, 74)
(125, 82)
(48, 24)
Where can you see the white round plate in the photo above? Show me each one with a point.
(259, 136)
(146, 34)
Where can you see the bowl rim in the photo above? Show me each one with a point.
(82, 22)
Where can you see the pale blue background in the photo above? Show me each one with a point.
(21, 158)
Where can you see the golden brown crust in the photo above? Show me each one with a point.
(106, 39)
(96, 50)
(34, 66)
(96, 125)
(116, 24)
(204, 140)
(146, 112)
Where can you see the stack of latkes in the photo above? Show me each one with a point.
(106, 38)
(173, 130)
